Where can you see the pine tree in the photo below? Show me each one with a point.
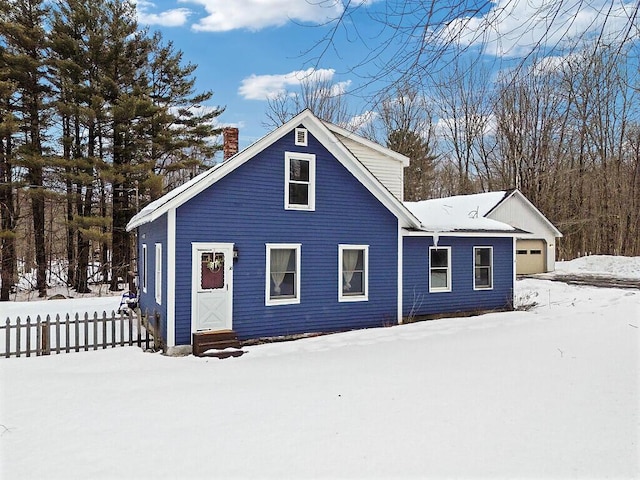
(77, 36)
(181, 128)
(8, 129)
(25, 43)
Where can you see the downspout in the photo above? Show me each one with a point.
(171, 278)
(400, 283)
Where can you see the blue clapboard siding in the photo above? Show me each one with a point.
(247, 208)
(150, 234)
(462, 297)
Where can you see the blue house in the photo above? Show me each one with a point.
(305, 231)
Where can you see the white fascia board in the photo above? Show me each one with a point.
(368, 143)
(441, 233)
(517, 193)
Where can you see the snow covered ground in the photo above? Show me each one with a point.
(605, 265)
(547, 393)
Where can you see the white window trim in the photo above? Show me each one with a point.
(143, 270)
(158, 276)
(305, 137)
(448, 287)
(490, 287)
(311, 158)
(267, 290)
(354, 298)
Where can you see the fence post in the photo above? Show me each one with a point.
(77, 333)
(18, 337)
(121, 329)
(58, 333)
(38, 336)
(131, 327)
(113, 329)
(85, 324)
(7, 338)
(95, 330)
(67, 334)
(45, 346)
(139, 333)
(104, 329)
(28, 345)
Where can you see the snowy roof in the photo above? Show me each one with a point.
(460, 213)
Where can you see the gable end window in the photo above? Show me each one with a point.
(158, 277)
(283, 274)
(301, 137)
(353, 271)
(439, 269)
(143, 268)
(482, 268)
(300, 180)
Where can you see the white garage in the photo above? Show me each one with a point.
(539, 241)
(535, 245)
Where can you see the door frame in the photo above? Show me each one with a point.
(227, 249)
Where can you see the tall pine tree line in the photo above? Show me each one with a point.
(97, 117)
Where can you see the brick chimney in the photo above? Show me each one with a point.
(230, 145)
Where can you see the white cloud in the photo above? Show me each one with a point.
(174, 17)
(263, 87)
(226, 15)
(359, 122)
(513, 27)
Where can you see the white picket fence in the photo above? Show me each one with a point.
(46, 335)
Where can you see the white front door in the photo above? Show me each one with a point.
(212, 286)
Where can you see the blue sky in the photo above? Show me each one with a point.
(247, 50)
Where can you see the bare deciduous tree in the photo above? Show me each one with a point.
(317, 93)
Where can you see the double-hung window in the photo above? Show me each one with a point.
(353, 271)
(283, 274)
(143, 268)
(300, 181)
(482, 268)
(439, 269)
(158, 276)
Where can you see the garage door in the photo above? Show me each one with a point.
(530, 256)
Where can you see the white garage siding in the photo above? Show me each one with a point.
(517, 211)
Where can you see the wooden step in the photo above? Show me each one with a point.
(216, 343)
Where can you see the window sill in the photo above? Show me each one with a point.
(302, 208)
(282, 301)
(354, 298)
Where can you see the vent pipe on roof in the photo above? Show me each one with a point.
(230, 142)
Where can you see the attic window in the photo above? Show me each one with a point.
(301, 137)
(300, 174)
